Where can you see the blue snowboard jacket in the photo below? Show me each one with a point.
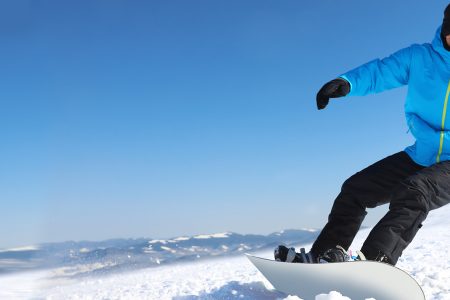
(426, 70)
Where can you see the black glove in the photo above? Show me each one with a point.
(338, 87)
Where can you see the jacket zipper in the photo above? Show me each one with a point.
(444, 113)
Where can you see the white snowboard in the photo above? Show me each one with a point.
(357, 280)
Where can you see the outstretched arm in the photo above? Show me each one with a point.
(372, 77)
(380, 75)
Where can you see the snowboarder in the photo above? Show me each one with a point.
(413, 181)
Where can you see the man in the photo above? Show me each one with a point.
(413, 181)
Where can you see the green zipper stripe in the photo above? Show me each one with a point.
(444, 113)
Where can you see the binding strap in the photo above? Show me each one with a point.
(361, 255)
(303, 255)
(290, 255)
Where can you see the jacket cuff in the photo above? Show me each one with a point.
(349, 81)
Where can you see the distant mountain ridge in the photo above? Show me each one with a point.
(87, 257)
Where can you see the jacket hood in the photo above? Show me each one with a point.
(438, 46)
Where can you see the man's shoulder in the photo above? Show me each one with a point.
(425, 49)
(416, 49)
(421, 47)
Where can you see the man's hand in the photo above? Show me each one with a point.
(338, 87)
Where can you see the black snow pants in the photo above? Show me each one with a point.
(412, 191)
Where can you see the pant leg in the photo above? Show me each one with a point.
(410, 203)
(368, 188)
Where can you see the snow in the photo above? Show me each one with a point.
(182, 238)
(157, 241)
(212, 236)
(426, 259)
(168, 249)
(199, 237)
(18, 249)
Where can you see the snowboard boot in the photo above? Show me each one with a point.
(375, 256)
(335, 254)
(285, 254)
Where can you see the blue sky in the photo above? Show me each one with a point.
(165, 118)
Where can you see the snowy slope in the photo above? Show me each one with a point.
(119, 255)
(426, 259)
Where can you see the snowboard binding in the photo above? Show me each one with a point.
(285, 254)
(335, 254)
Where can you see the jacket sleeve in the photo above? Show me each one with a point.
(380, 74)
